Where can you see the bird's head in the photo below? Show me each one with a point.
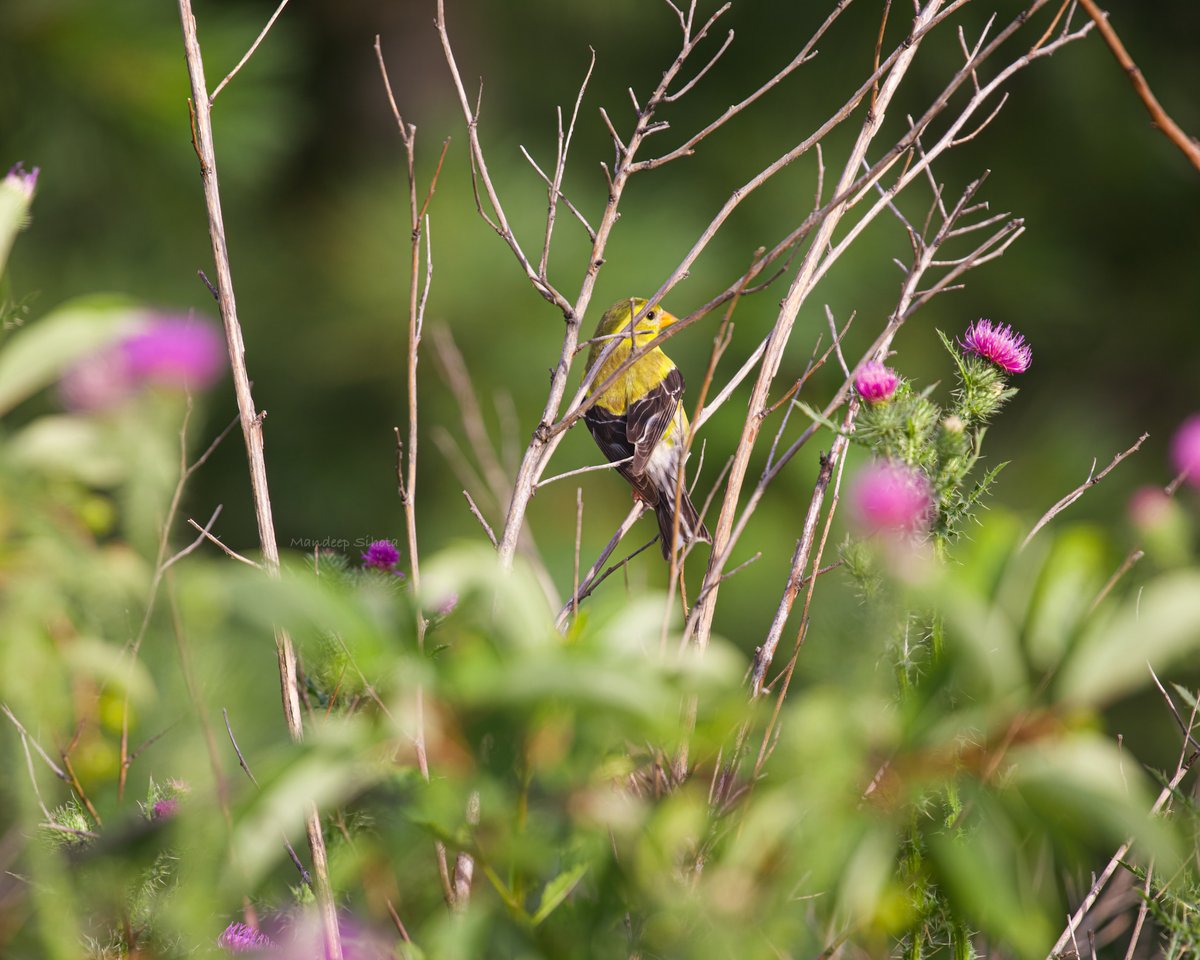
(649, 325)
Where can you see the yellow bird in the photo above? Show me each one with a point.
(640, 418)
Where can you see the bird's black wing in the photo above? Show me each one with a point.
(608, 429)
(649, 417)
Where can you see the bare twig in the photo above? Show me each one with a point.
(590, 580)
(487, 527)
(406, 456)
(1189, 146)
(233, 554)
(1093, 479)
(249, 53)
(252, 434)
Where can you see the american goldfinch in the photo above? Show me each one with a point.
(640, 418)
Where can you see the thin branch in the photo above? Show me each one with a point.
(249, 53)
(1093, 479)
(590, 580)
(578, 542)
(591, 468)
(671, 98)
(191, 547)
(487, 528)
(1188, 145)
(562, 196)
(564, 146)
(205, 535)
(1184, 726)
(252, 434)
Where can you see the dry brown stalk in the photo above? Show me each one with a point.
(251, 422)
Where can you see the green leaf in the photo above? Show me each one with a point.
(557, 890)
(37, 355)
(1156, 625)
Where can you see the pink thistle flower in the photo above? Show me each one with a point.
(1148, 507)
(241, 938)
(1185, 449)
(166, 350)
(382, 555)
(164, 809)
(891, 497)
(876, 382)
(175, 351)
(1000, 344)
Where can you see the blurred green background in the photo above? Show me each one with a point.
(1105, 282)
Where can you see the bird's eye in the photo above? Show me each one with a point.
(651, 315)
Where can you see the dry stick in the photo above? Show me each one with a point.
(1093, 479)
(407, 482)
(232, 554)
(721, 341)
(591, 468)
(590, 581)
(925, 258)
(700, 623)
(487, 528)
(771, 734)
(564, 145)
(249, 53)
(252, 434)
(578, 541)
(1189, 145)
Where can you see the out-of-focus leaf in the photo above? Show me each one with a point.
(1082, 787)
(1069, 580)
(72, 447)
(557, 890)
(1155, 626)
(37, 355)
(107, 663)
(326, 770)
(976, 868)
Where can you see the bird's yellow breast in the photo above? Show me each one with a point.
(644, 375)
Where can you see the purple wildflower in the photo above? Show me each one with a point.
(23, 182)
(1148, 507)
(164, 809)
(1000, 344)
(1185, 449)
(166, 350)
(446, 607)
(175, 351)
(891, 497)
(382, 555)
(876, 382)
(241, 938)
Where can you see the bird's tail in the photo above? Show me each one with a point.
(690, 527)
